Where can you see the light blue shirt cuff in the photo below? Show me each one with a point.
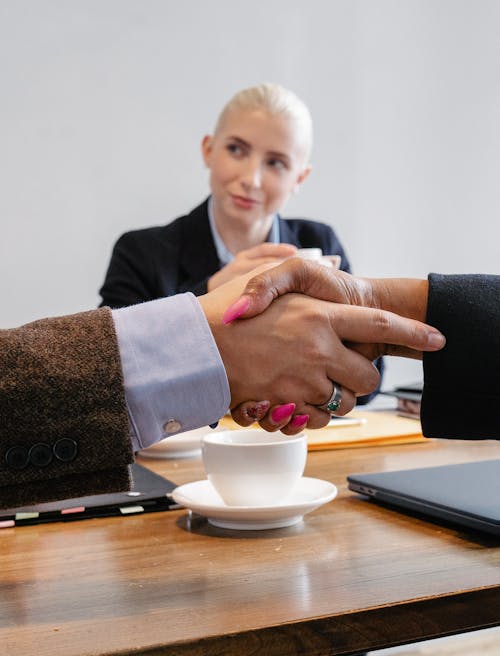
(173, 374)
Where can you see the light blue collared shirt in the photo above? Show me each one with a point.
(222, 252)
(174, 377)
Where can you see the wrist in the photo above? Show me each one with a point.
(210, 283)
(404, 296)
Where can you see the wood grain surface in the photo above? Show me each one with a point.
(353, 576)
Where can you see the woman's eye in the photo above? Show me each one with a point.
(277, 164)
(235, 149)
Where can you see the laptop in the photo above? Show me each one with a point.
(467, 494)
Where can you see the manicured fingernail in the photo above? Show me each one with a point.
(258, 410)
(236, 309)
(282, 412)
(436, 340)
(299, 420)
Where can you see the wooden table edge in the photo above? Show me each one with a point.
(352, 633)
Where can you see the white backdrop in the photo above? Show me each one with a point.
(103, 104)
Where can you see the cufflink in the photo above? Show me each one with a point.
(171, 426)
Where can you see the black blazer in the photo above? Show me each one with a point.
(181, 256)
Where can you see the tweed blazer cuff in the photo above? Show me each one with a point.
(64, 429)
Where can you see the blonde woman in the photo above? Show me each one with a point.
(257, 157)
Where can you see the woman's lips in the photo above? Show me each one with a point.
(243, 202)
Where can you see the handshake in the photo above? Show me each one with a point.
(285, 346)
(299, 341)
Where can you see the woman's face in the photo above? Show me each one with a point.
(256, 162)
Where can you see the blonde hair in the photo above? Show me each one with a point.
(276, 100)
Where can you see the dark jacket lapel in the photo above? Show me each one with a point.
(198, 258)
(287, 236)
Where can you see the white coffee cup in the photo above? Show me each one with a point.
(310, 253)
(316, 255)
(252, 467)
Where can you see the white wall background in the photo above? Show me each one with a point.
(103, 104)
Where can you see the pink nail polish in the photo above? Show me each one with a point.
(282, 412)
(236, 309)
(258, 410)
(299, 420)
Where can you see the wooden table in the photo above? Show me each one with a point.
(353, 577)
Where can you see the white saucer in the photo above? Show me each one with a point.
(201, 498)
(184, 445)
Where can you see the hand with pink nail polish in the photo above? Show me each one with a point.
(271, 419)
(286, 356)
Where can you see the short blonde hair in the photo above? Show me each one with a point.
(276, 100)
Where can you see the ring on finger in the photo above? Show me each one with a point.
(335, 400)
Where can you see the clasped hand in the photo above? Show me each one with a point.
(286, 348)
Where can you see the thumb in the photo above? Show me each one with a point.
(293, 275)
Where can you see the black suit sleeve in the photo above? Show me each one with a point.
(461, 396)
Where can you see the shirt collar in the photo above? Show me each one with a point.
(222, 252)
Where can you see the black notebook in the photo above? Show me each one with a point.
(467, 494)
(150, 493)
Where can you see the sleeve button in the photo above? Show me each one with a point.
(17, 457)
(40, 455)
(65, 449)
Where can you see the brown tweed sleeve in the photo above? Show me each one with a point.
(64, 428)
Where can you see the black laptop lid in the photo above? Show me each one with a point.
(467, 493)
